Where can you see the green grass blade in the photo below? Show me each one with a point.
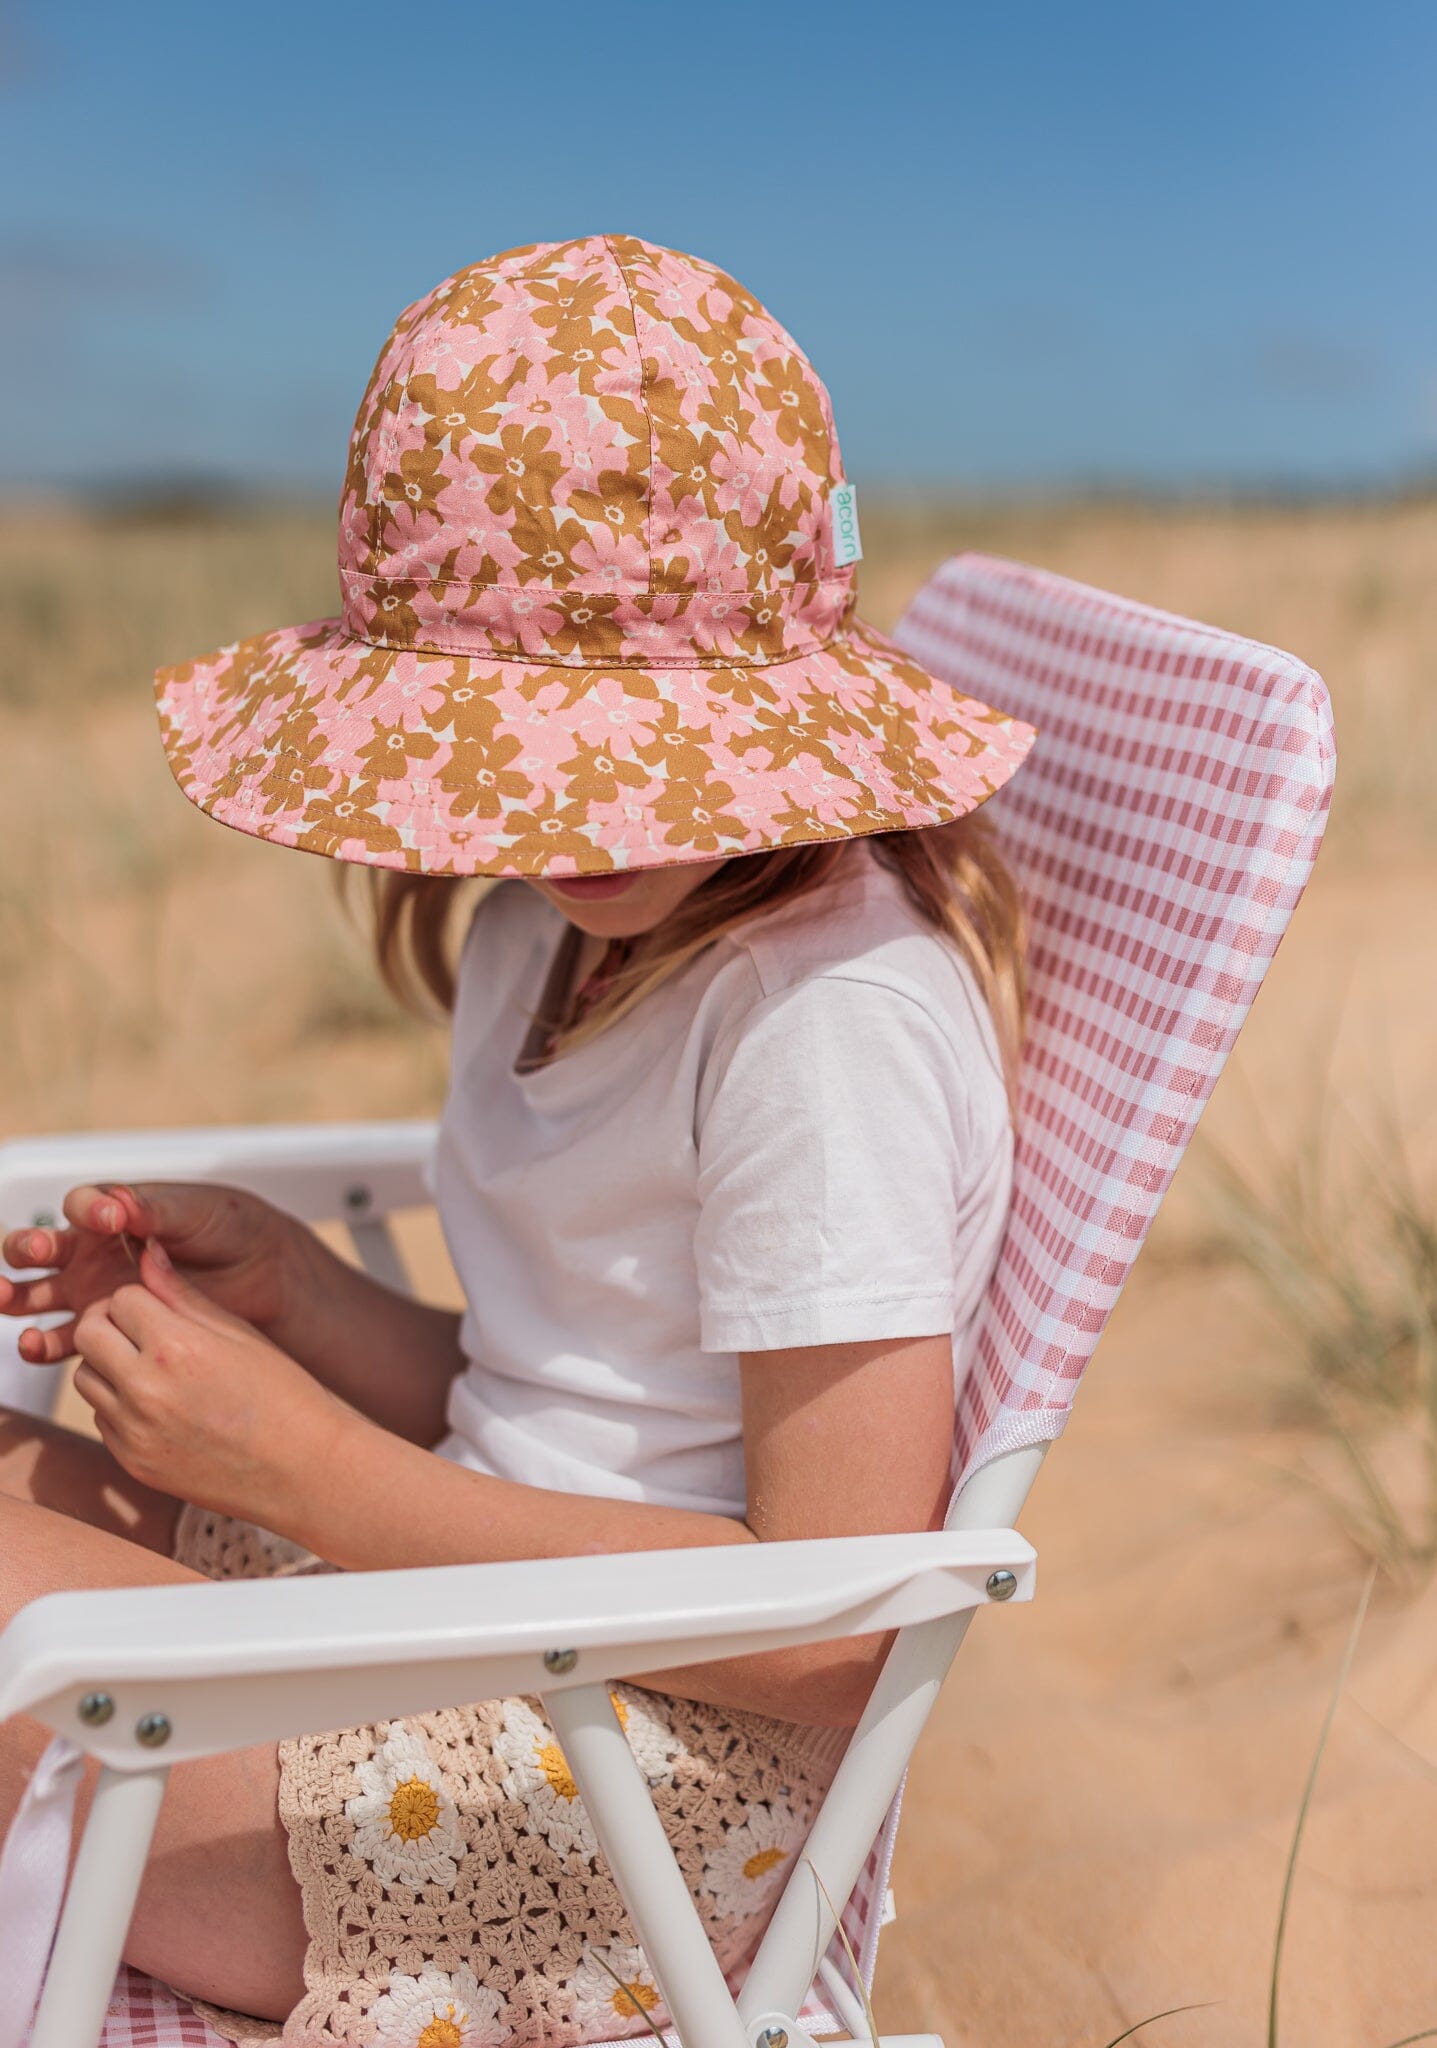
(629, 1998)
(868, 2014)
(1291, 1872)
(1155, 2017)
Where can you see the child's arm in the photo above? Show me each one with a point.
(839, 1439)
(389, 1356)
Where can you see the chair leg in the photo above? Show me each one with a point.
(632, 1837)
(851, 1815)
(98, 1908)
(872, 1769)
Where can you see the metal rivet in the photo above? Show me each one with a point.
(153, 1730)
(559, 1661)
(95, 1709)
(357, 1198)
(773, 2037)
(1001, 1585)
(43, 1219)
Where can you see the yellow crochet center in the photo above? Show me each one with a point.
(764, 1860)
(636, 1997)
(556, 1770)
(443, 2031)
(413, 1813)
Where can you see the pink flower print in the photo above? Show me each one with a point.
(736, 485)
(725, 718)
(809, 779)
(866, 764)
(404, 688)
(718, 626)
(619, 827)
(410, 531)
(793, 475)
(534, 624)
(610, 559)
(623, 709)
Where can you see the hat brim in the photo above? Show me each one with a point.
(456, 765)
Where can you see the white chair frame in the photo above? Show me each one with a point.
(145, 1679)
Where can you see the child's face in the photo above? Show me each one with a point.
(622, 906)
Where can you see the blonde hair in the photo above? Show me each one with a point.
(953, 875)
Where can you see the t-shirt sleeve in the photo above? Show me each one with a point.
(830, 1163)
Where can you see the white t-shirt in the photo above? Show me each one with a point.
(801, 1138)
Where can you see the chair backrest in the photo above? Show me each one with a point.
(1162, 828)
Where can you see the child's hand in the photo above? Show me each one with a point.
(233, 1243)
(194, 1401)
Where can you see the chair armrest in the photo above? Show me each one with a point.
(254, 1661)
(316, 1171)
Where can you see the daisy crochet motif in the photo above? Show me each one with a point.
(539, 1780)
(744, 1872)
(437, 2009)
(614, 1991)
(406, 1827)
(594, 614)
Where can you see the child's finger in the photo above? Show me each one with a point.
(104, 1210)
(179, 1294)
(92, 1386)
(47, 1347)
(140, 1315)
(103, 1344)
(36, 1247)
(31, 1297)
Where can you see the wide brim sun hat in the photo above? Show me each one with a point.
(596, 563)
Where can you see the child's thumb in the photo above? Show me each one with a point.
(169, 1285)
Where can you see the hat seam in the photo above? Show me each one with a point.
(644, 405)
(887, 652)
(681, 600)
(608, 668)
(427, 582)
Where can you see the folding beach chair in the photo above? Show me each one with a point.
(1163, 829)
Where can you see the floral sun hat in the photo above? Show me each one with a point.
(597, 606)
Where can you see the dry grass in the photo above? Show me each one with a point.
(1339, 1238)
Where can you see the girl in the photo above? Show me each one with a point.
(723, 1167)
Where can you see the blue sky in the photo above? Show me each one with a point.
(1036, 244)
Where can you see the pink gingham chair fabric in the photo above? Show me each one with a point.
(144, 2014)
(1163, 829)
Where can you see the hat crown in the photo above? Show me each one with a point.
(593, 453)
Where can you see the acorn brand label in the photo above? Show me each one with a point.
(843, 507)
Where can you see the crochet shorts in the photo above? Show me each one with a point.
(454, 1894)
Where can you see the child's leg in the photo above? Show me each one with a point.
(75, 1475)
(219, 1911)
